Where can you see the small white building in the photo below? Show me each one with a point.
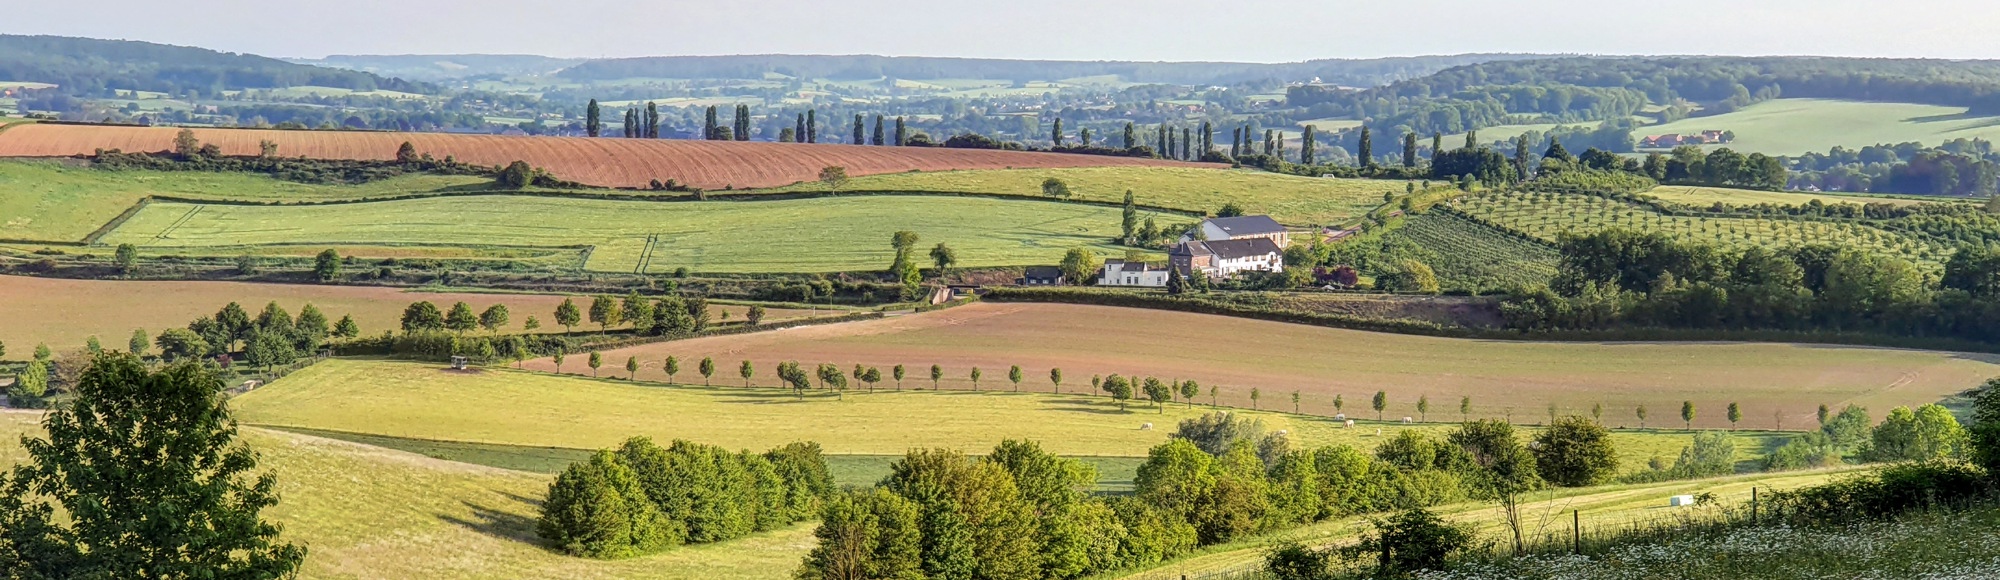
(1135, 274)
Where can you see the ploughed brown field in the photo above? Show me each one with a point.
(64, 313)
(1319, 363)
(599, 162)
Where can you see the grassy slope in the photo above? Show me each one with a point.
(50, 201)
(368, 512)
(811, 235)
(1296, 201)
(421, 401)
(62, 313)
(1278, 358)
(1796, 126)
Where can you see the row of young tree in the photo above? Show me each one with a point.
(666, 315)
(272, 338)
(1621, 278)
(641, 498)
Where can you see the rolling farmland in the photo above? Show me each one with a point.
(62, 313)
(1796, 126)
(1237, 355)
(1475, 256)
(807, 235)
(599, 162)
(1290, 199)
(1548, 215)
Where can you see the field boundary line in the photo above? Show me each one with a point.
(685, 198)
(177, 223)
(116, 222)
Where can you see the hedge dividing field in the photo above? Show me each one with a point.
(804, 235)
(1290, 199)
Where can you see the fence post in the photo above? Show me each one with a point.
(1753, 505)
(1576, 531)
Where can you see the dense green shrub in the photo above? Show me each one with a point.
(1575, 452)
(1930, 432)
(642, 498)
(1412, 541)
(1891, 490)
(597, 509)
(1217, 433)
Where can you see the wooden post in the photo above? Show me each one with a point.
(1753, 505)
(1576, 531)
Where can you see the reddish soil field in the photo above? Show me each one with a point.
(63, 313)
(599, 162)
(1319, 363)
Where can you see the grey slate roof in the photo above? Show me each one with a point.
(1249, 225)
(1229, 249)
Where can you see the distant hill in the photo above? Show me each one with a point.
(92, 67)
(443, 67)
(1364, 73)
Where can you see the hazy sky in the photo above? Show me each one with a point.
(1245, 30)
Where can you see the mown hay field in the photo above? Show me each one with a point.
(57, 202)
(1237, 355)
(63, 313)
(1290, 199)
(1548, 215)
(805, 235)
(599, 162)
(497, 406)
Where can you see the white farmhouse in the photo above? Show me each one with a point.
(1140, 274)
(1226, 258)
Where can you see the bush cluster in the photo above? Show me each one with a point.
(641, 498)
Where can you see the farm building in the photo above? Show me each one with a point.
(1140, 274)
(1042, 276)
(1225, 258)
(1243, 228)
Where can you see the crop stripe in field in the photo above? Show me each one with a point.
(178, 223)
(646, 254)
(117, 222)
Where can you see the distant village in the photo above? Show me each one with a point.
(1672, 140)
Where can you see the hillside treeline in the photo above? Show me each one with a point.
(91, 67)
(1620, 278)
(1369, 72)
(1974, 84)
(1960, 167)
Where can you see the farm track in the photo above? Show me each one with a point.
(630, 163)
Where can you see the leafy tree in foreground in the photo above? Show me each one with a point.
(1687, 415)
(493, 318)
(707, 369)
(1506, 468)
(937, 374)
(151, 480)
(1575, 452)
(597, 509)
(596, 360)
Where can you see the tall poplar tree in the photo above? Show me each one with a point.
(1410, 149)
(711, 126)
(799, 131)
(1306, 146)
(812, 125)
(1236, 143)
(877, 138)
(1207, 139)
(1187, 143)
(742, 132)
(1131, 135)
(1437, 145)
(1367, 148)
(860, 129)
(592, 119)
(1056, 136)
(902, 133)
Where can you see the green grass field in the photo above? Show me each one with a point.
(500, 411)
(1796, 126)
(1548, 215)
(1293, 200)
(810, 235)
(51, 201)
(1702, 196)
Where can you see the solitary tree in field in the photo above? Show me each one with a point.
(596, 360)
(1213, 393)
(747, 371)
(1552, 412)
(1190, 390)
(1464, 408)
(139, 343)
(125, 257)
(1597, 412)
(1014, 376)
(493, 318)
(975, 378)
(530, 325)
(567, 315)
(707, 369)
(943, 257)
(1255, 395)
(754, 316)
(1735, 414)
(558, 359)
(1822, 414)
(1055, 378)
(1381, 402)
(1424, 408)
(460, 318)
(673, 367)
(898, 373)
(1687, 415)
(326, 267)
(1641, 412)
(1339, 404)
(937, 374)
(631, 368)
(1295, 402)
(1055, 188)
(833, 177)
(605, 313)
